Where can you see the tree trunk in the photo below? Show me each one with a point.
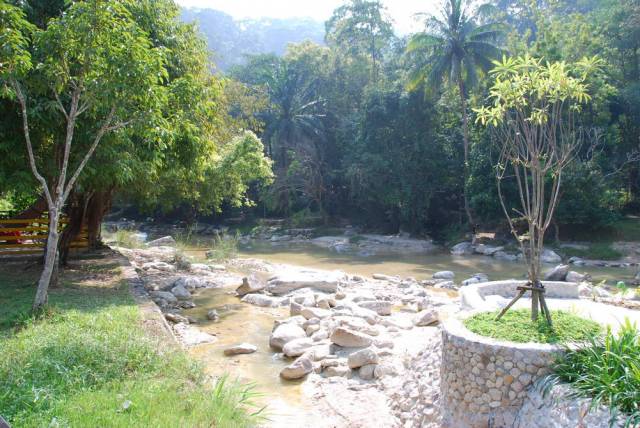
(76, 214)
(96, 210)
(465, 140)
(49, 260)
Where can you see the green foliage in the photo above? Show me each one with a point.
(516, 326)
(607, 370)
(88, 361)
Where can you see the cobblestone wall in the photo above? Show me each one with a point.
(484, 381)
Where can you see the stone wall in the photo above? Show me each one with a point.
(484, 381)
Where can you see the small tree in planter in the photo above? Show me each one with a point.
(533, 119)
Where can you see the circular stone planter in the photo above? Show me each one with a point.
(475, 296)
(484, 380)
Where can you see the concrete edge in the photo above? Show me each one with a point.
(152, 318)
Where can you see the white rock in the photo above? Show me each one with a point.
(573, 276)
(284, 334)
(445, 274)
(243, 348)
(324, 281)
(336, 371)
(189, 282)
(309, 313)
(367, 371)
(378, 306)
(425, 318)
(502, 255)
(362, 357)
(297, 347)
(249, 287)
(213, 315)
(261, 300)
(383, 277)
(299, 369)
(487, 250)
(192, 336)
(350, 338)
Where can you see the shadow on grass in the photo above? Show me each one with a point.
(87, 286)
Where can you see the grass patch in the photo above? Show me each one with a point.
(127, 239)
(223, 248)
(606, 369)
(516, 326)
(89, 362)
(596, 251)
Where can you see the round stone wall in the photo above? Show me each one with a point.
(484, 381)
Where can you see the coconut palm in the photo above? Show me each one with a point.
(454, 49)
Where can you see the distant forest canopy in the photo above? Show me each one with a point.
(232, 40)
(359, 125)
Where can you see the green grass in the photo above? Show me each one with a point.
(223, 248)
(596, 251)
(607, 370)
(127, 239)
(88, 362)
(516, 326)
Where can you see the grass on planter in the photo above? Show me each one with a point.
(606, 369)
(516, 326)
(89, 362)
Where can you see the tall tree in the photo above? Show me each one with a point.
(534, 113)
(101, 75)
(361, 28)
(454, 49)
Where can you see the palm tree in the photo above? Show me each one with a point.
(454, 49)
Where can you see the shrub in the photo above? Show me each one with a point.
(516, 326)
(127, 239)
(223, 248)
(607, 370)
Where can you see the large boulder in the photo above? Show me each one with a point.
(502, 255)
(243, 348)
(286, 282)
(164, 295)
(165, 241)
(298, 369)
(558, 273)
(284, 334)
(350, 339)
(462, 249)
(320, 313)
(550, 256)
(261, 300)
(362, 357)
(573, 276)
(425, 318)
(297, 347)
(445, 274)
(181, 292)
(249, 287)
(487, 250)
(190, 282)
(380, 307)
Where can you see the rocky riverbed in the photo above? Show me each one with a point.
(356, 342)
(348, 350)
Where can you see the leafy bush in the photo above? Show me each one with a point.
(516, 326)
(606, 369)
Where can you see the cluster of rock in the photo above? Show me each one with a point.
(499, 252)
(171, 281)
